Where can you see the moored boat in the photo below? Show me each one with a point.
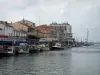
(6, 48)
(34, 49)
(57, 46)
(44, 44)
(23, 49)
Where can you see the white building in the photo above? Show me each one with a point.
(6, 29)
(8, 32)
(20, 33)
(64, 31)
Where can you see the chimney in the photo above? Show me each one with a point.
(23, 20)
(6, 22)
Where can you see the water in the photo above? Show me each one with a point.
(73, 61)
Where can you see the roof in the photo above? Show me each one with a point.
(25, 23)
(54, 23)
(6, 23)
(44, 27)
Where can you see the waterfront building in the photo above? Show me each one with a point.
(19, 35)
(47, 31)
(24, 28)
(24, 25)
(6, 30)
(64, 31)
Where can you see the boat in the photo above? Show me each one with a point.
(34, 49)
(87, 43)
(23, 51)
(44, 47)
(23, 48)
(57, 46)
(10, 50)
(44, 44)
(6, 48)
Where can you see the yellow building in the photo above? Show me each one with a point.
(24, 25)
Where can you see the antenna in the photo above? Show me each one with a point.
(23, 19)
(39, 20)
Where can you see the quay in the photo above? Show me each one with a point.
(8, 48)
(24, 37)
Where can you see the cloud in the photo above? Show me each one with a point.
(81, 14)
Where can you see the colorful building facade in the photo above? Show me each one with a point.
(47, 31)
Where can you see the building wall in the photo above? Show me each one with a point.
(23, 25)
(19, 26)
(45, 30)
(19, 33)
(64, 30)
(6, 30)
(69, 29)
(3, 29)
(28, 23)
(9, 31)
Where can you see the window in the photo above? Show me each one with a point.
(65, 27)
(4, 28)
(9, 34)
(33, 25)
(14, 33)
(20, 34)
(22, 27)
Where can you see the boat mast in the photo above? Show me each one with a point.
(87, 34)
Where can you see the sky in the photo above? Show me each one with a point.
(81, 14)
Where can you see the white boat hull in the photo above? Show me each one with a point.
(45, 49)
(23, 52)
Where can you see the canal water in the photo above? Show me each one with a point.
(72, 61)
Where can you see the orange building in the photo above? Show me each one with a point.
(47, 31)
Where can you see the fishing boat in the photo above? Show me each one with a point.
(57, 46)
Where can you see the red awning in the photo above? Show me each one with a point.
(3, 36)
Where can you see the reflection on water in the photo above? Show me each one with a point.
(74, 61)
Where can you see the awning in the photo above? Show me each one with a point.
(18, 42)
(27, 41)
(3, 36)
(6, 41)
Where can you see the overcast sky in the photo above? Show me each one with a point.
(81, 14)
